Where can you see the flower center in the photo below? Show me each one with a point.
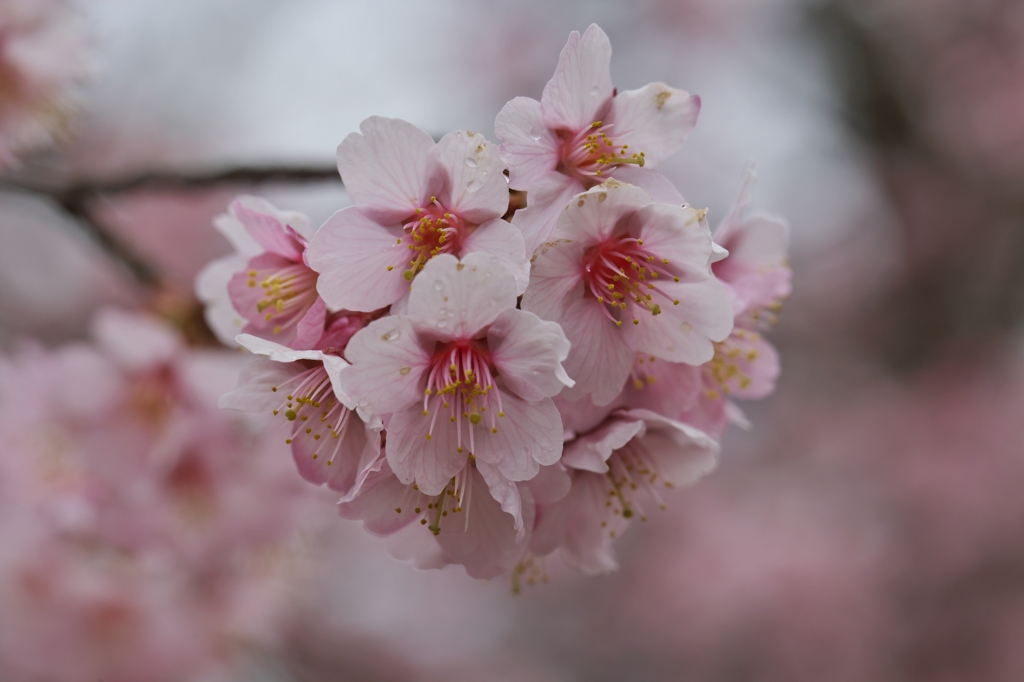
(625, 277)
(287, 293)
(310, 405)
(462, 383)
(725, 373)
(592, 152)
(435, 510)
(433, 230)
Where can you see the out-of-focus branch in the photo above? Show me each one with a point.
(76, 199)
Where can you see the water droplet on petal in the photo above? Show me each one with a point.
(594, 90)
(471, 162)
(437, 286)
(442, 324)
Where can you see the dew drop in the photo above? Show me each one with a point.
(438, 286)
(391, 335)
(442, 324)
(593, 91)
(471, 162)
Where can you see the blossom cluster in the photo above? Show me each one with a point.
(138, 524)
(490, 386)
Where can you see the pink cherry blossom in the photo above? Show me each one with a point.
(583, 132)
(43, 54)
(464, 373)
(617, 471)
(627, 275)
(413, 200)
(330, 443)
(757, 267)
(266, 288)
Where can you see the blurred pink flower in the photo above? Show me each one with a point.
(464, 350)
(583, 132)
(413, 200)
(622, 257)
(266, 288)
(138, 522)
(43, 47)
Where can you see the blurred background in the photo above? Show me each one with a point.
(870, 525)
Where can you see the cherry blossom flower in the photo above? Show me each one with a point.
(463, 374)
(331, 444)
(617, 470)
(413, 200)
(627, 275)
(583, 132)
(745, 365)
(266, 288)
(43, 53)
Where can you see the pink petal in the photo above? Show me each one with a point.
(476, 189)
(311, 326)
(255, 382)
(709, 415)
(505, 493)
(590, 452)
(651, 181)
(582, 83)
(390, 170)
(268, 232)
(212, 289)
(594, 216)
(684, 332)
(556, 280)
(669, 388)
(504, 241)
(387, 369)
(528, 353)
(457, 299)
(683, 453)
(655, 120)
(528, 146)
(352, 253)
(581, 416)
(588, 544)
(680, 235)
(488, 544)
(599, 359)
(429, 462)
(276, 351)
(529, 433)
(381, 494)
(545, 201)
(551, 484)
(352, 457)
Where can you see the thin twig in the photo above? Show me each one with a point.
(76, 200)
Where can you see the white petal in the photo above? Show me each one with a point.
(390, 169)
(528, 146)
(458, 299)
(582, 82)
(528, 353)
(504, 241)
(476, 189)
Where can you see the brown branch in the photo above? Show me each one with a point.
(76, 199)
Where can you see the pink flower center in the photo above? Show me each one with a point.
(309, 403)
(436, 511)
(624, 276)
(461, 382)
(591, 153)
(433, 230)
(287, 294)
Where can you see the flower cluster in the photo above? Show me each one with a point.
(138, 524)
(490, 386)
